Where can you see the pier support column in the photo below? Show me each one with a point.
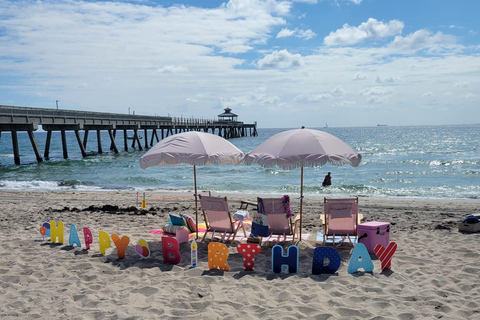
(16, 153)
(47, 145)
(85, 139)
(33, 141)
(125, 142)
(80, 144)
(113, 145)
(99, 142)
(146, 138)
(64, 145)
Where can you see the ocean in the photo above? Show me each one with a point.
(408, 162)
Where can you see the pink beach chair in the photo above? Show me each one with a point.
(340, 219)
(218, 218)
(277, 220)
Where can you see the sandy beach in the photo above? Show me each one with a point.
(433, 274)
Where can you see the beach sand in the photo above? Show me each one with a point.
(434, 271)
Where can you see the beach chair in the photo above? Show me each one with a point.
(340, 219)
(218, 218)
(277, 219)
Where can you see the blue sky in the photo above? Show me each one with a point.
(280, 63)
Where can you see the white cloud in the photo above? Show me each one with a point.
(462, 84)
(307, 1)
(280, 60)
(356, 1)
(428, 94)
(285, 32)
(304, 34)
(172, 69)
(370, 30)
(388, 79)
(376, 91)
(360, 76)
(419, 40)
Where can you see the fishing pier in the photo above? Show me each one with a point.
(16, 119)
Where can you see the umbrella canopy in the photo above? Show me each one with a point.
(194, 148)
(302, 148)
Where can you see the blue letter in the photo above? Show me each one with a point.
(279, 259)
(74, 237)
(319, 254)
(360, 259)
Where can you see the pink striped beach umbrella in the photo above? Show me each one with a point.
(194, 148)
(302, 148)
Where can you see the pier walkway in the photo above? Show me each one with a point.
(14, 119)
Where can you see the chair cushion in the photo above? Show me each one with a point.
(171, 228)
(189, 222)
(177, 221)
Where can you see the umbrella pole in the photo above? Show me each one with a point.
(196, 201)
(301, 203)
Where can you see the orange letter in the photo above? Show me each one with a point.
(217, 256)
(121, 244)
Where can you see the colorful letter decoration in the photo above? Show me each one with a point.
(279, 259)
(319, 254)
(74, 239)
(121, 244)
(217, 256)
(193, 254)
(170, 248)
(248, 251)
(56, 232)
(360, 259)
(104, 241)
(87, 234)
(385, 255)
(142, 249)
(45, 230)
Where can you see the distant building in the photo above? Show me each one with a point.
(227, 115)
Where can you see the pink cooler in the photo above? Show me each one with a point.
(373, 233)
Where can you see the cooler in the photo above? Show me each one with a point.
(373, 233)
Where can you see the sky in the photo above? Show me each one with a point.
(284, 64)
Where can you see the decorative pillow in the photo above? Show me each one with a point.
(177, 221)
(189, 222)
(170, 228)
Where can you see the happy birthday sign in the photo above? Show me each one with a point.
(325, 259)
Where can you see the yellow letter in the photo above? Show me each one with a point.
(56, 232)
(104, 241)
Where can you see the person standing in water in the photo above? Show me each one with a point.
(327, 181)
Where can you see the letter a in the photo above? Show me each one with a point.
(74, 239)
(170, 248)
(290, 260)
(360, 259)
(103, 241)
(56, 232)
